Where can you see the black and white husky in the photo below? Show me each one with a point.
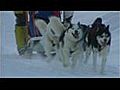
(98, 40)
(70, 45)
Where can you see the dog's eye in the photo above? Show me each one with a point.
(107, 35)
(101, 36)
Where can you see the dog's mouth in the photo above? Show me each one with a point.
(104, 43)
(75, 35)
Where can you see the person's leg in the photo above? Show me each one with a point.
(21, 31)
(20, 39)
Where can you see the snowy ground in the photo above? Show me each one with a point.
(13, 65)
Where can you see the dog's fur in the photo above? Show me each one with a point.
(51, 37)
(72, 42)
(71, 46)
(97, 40)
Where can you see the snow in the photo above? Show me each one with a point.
(13, 65)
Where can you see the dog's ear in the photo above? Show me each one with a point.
(107, 27)
(79, 24)
(88, 26)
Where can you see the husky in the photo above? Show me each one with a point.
(70, 45)
(97, 41)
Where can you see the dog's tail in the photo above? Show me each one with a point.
(41, 25)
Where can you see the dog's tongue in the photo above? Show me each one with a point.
(76, 36)
(104, 43)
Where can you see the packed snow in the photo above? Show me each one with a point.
(13, 65)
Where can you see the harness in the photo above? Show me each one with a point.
(63, 34)
(83, 36)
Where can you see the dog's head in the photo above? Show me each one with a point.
(75, 32)
(103, 36)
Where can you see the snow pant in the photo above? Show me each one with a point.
(21, 32)
(33, 30)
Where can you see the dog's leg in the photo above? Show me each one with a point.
(81, 58)
(48, 48)
(103, 65)
(104, 54)
(28, 53)
(75, 57)
(94, 60)
(60, 53)
(87, 54)
(66, 55)
(39, 48)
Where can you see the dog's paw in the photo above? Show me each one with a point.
(102, 72)
(65, 65)
(49, 59)
(72, 66)
(85, 62)
(60, 59)
(28, 54)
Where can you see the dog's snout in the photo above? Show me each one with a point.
(105, 40)
(76, 31)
